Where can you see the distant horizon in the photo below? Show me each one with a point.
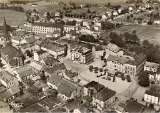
(67, 1)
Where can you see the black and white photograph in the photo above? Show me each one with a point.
(80, 56)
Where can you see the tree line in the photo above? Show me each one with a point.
(131, 42)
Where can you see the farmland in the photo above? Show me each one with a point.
(13, 18)
(150, 33)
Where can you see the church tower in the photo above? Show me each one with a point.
(5, 32)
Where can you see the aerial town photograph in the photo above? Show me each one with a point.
(80, 56)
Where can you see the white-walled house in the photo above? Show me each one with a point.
(104, 98)
(97, 51)
(151, 66)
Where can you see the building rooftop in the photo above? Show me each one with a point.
(66, 87)
(11, 52)
(41, 52)
(33, 108)
(151, 64)
(139, 58)
(134, 107)
(24, 71)
(113, 47)
(46, 24)
(121, 60)
(36, 65)
(99, 48)
(104, 94)
(6, 76)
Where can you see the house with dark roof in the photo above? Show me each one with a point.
(10, 93)
(26, 72)
(133, 107)
(104, 98)
(97, 51)
(50, 102)
(54, 81)
(39, 55)
(126, 65)
(8, 80)
(13, 56)
(91, 88)
(49, 61)
(53, 49)
(81, 54)
(152, 97)
(151, 66)
(67, 90)
(72, 76)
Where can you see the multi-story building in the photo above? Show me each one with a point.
(152, 98)
(13, 56)
(104, 98)
(81, 54)
(44, 28)
(151, 66)
(114, 50)
(126, 65)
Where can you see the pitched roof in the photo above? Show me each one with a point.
(91, 84)
(50, 61)
(30, 39)
(6, 76)
(55, 69)
(24, 71)
(134, 107)
(139, 58)
(55, 80)
(155, 88)
(50, 102)
(99, 48)
(148, 92)
(46, 24)
(41, 52)
(24, 46)
(151, 64)
(66, 87)
(121, 60)
(36, 65)
(113, 47)
(73, 105)
(11, 52)
(104, 94)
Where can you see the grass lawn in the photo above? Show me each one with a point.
(13, 18)
(150, 33)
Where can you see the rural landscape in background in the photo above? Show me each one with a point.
(77, 56)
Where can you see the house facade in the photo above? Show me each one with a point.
(114, 50)
(104, 98)
(151, 66)
(97, 51)
(13, 56)
(81, 54)
(44, 28)
(151, 97)
(39, 55)
(126, 65)
(7, 79)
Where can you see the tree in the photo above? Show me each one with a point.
(146, 43)
(109, 4)
(143, 79)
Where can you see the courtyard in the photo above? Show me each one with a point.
(91, 76)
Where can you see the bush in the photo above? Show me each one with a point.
(109, 78)
(91, 67)
(128, 76)
(152, 82)
(123, 78)
(128, 79)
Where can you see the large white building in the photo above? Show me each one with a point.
(44, 28)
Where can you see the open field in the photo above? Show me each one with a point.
(13, 18)
(42, 7)
(150, 33)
